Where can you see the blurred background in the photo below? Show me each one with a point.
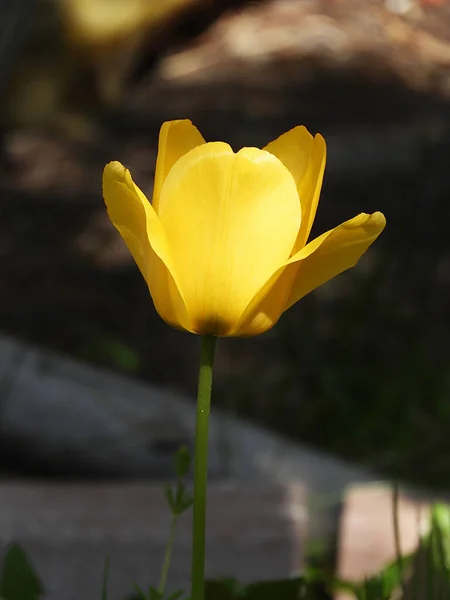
(360, 368)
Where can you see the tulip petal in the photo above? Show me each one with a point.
(322, 259)
(175, 139)
(231, 221)
(138, 224)
(305, 158)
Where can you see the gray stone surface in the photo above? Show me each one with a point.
(267, 495)
(60, 410)
(254, 532)
(63, 408)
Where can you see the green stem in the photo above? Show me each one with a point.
(201, 467)
(396, 527)
(167, 556)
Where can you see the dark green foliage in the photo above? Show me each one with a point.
(182, 462)
(299, 588)
(379, 587)
(178, 497)
(424, 575)
(19, 580)
(154, 594)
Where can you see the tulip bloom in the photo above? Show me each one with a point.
(224, 245)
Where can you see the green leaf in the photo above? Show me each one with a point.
(175, 595)
(223, 589)
(179, 493)
(183, 499)
(18, 579)
(287, 589)
(440, 527)
(186, 502)
(178, 501)
(341, 585)
(154, 594)
(170, 499)
(431, 573)
(379, 587)
(392, 577)
(139, 592)
(182, 462)
(230, 589)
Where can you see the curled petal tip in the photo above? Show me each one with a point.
(378, 218)
(375, 221)
(115, 170)
(319, 138)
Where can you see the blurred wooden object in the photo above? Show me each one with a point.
(85, 60)
(278, 41)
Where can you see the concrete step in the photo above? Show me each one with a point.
(254, 532)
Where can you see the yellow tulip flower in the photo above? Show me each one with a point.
(224, 245)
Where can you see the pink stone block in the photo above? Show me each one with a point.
(367, 531)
